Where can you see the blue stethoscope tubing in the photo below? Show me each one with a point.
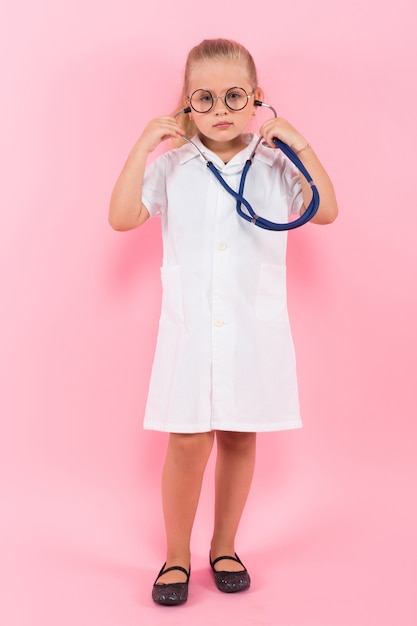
(251, 216)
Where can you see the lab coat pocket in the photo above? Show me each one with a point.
(271, 297)
(172, 304)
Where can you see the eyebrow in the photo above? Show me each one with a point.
(224, 91)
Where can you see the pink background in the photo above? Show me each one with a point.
(329, 534)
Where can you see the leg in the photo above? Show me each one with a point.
(234, 471)
(182, 476)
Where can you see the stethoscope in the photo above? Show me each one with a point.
(251, 216)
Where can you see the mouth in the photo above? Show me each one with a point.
(223, 125)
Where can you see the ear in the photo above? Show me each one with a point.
(259, 94)
(188, 110)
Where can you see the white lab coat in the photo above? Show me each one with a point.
(224, 358)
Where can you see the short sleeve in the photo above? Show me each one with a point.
(154, 195)
(292, 185)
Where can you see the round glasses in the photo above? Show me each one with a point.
(235, 98)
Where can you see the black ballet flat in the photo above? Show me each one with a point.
(171, 594)
(230, 582)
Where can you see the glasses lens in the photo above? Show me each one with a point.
(201, 101)
(236, 98)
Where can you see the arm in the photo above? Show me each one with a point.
(280, 128)
(127, 210)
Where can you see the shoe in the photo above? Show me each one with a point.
(171, 594)
(230, 582)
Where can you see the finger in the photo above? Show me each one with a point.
(268, 135)
(171, 124)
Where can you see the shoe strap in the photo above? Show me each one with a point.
(171, 569)
(227, 557)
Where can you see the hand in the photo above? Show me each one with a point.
(280, 128)
(158, 130)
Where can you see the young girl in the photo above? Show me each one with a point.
(224, 366)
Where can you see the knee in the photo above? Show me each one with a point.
(191, 449)
(236, 441)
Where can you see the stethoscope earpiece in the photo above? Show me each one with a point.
(259, 103)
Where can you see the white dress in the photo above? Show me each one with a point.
(224, 357)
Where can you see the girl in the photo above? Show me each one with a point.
(224, 366)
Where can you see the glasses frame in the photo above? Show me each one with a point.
(223, 98)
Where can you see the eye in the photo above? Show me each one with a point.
(236, 98)
(234, 95)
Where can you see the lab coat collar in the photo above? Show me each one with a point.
(263, 153)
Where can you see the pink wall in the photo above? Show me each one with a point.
(330, 528)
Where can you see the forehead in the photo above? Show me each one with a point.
(219, 75)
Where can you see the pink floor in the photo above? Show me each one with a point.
(323, 549)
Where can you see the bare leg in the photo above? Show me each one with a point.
(234, 471)
(182, 476)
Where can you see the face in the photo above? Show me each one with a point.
(222, 126)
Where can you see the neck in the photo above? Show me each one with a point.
(224, 150)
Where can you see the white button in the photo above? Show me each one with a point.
(218, 323)
(222, 245)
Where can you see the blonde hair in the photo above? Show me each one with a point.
(209, 50)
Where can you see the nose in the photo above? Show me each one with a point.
(221, 98)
